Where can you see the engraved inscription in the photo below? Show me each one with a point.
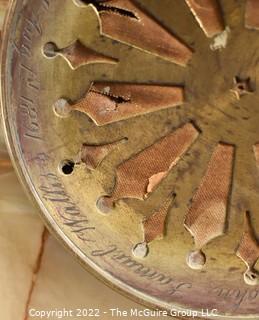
(237, 297)
(138, 268)
(28, 75)
(28, 103)
(52, 190)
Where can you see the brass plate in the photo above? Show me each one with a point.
(134, 125)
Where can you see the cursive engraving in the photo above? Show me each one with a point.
(117, 255)
(27, 74)
(53, 190)
(236, 296)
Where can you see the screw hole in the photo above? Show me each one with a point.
(67, 167)
(50, 50)
(62, 108)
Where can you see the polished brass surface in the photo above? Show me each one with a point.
(134, 125)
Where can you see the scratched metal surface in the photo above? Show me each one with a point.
(39, 141)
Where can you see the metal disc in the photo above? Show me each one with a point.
(134, 126)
